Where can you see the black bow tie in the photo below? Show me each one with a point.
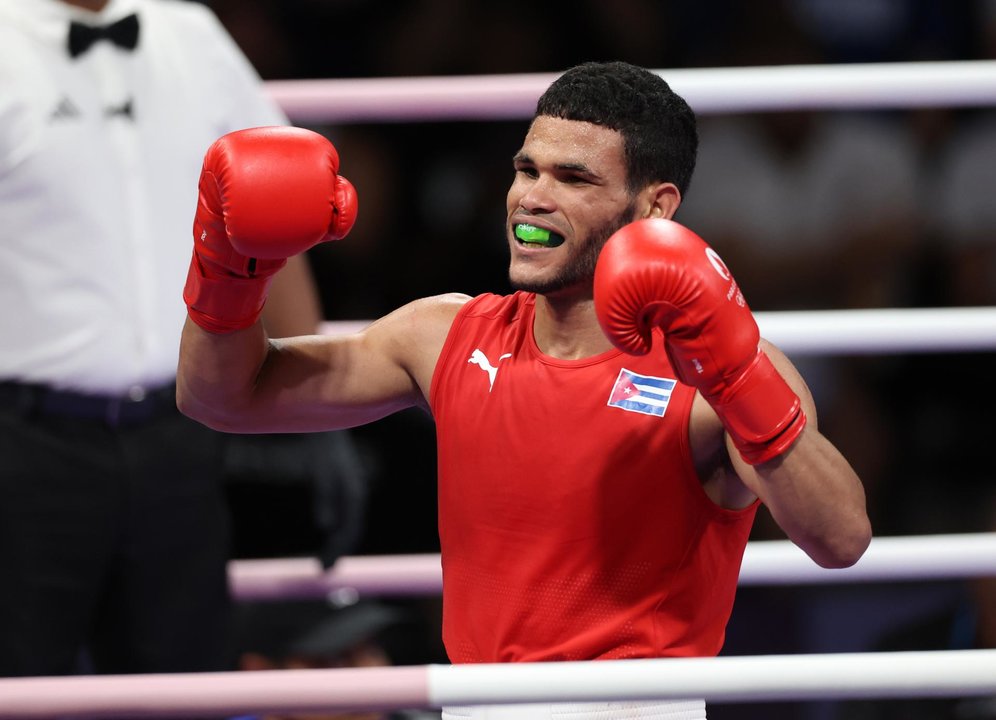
(123, 33)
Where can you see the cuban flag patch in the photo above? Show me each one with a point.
(641, 393)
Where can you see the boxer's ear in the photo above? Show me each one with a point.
(661, 200)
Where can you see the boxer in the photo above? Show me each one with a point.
(605, 433)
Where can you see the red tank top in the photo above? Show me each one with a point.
(571, 520)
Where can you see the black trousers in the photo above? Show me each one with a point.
(114, 541)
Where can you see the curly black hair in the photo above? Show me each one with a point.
(658, 127)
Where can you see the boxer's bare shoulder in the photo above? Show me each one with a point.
(414, 334)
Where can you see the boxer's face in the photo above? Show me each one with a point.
(570, 179)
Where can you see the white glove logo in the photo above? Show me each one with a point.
(718, 264)
(733, 292)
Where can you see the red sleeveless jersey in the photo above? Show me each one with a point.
(571, 520)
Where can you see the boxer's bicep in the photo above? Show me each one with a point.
(388, 366)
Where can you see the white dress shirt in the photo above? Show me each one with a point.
(99, 161)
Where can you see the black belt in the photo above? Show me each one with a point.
(113, 410)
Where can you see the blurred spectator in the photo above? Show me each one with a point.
(886, 30)
(944, 464)
(300, 635)
(813, 210)
(786, 195)
(964, 216)
(969, 623)
(296, 495)
(803, 192)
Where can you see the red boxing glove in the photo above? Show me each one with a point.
(657, 273)
(265, 194)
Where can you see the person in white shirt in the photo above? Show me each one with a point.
(113, 523)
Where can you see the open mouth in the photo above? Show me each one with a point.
(537, 236)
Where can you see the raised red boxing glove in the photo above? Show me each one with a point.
(265, 194)
(657, 273)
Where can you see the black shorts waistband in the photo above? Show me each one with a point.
(139, 406)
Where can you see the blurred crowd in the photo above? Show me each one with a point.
(811, 210)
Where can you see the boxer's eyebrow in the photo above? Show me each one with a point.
(578, 168)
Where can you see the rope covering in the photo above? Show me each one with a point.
(708, 90)
(843, 332)
(955, 673)
(767, 562)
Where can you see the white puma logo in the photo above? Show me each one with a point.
(481, 360)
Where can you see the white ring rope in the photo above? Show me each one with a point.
(828, 332)
(723, 679)
(766, 562)
(840, 676)
(707, 90)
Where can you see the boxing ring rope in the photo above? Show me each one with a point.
(829, 332)
(842, 332)
(708, 90)
(841, 676)
(766, 562)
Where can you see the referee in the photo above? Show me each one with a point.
(113, 523)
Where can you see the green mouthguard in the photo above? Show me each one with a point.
(532, 234)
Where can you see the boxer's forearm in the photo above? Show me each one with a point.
(217, 374)
(817, 499)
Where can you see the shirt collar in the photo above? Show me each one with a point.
(50, 18)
